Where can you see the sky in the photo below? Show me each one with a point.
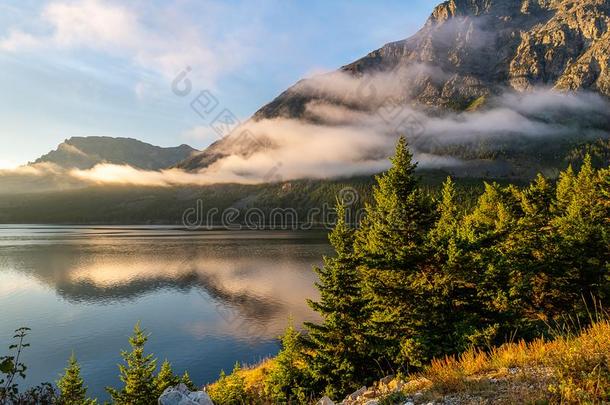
(133, 68)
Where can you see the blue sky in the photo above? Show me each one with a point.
(102, 67)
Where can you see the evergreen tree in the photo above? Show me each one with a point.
(137, 374)
(529, 250)
(486, 229)
(452, 294)
(448, 213)
(399, 215)
(537, 200)
(524, 258)
(419, 280)
(391, 246)
(565, 190)
(340, 360)
(72, 390)
(582, 230)
(230, 389)
(288, 382)
(186, 380)
(165, 379)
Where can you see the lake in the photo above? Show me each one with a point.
(208, 298)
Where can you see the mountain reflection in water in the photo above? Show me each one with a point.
(208, 298)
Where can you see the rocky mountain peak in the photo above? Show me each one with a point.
(467, 53)
(480, 47)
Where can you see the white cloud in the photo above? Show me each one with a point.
(8, 164)
(17, 40)
(93, 22)
(160, 41)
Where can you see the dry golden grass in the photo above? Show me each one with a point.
(253, 378)
(571, 369)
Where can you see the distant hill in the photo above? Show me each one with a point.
(86, 152)
(312, 200)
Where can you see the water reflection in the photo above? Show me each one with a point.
(84, 288)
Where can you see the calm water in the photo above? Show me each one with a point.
(208, 298)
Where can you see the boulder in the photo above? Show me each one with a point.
(369, 394)
(181, 395)
(325, 401)
(354, 395)
(386, 380)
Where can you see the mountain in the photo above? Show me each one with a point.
(86, 152)
(468, 53)
(480, 47)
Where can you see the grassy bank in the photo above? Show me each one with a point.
(572, 368)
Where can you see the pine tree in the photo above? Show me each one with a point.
(526, 259)
(529, 247)
(137, 374)
(391, 246)
(186, 380)
(165, 379)
(339, 358)
(536, 202)
(488, 229)
(71, 386)
(447, 211)
(400, 213)
(582, 231)
(565, 191)
(605, 194)
(450, 294)
(287, 381)
(494, 214)
(230, 389)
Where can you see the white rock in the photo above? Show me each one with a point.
(181, 395)
(325, 401)
(354, 395)
(387, 379)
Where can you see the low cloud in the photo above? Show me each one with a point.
(338, 139)
(110, 174)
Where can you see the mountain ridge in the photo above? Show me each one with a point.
(467, 53)
(86, 152)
